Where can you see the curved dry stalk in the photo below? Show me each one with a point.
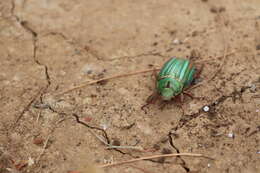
(86, 83)
(154, 157)
(106, 78)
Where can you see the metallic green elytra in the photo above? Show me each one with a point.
(175, 75)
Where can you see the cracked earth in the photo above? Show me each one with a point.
(47, 47)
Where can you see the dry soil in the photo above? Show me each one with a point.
(49, 46)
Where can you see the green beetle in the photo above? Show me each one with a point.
(176, 75)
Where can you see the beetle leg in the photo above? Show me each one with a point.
(162, 105)
(179, 101)
(192, 96)
(199, 70)
(182, 97)
(188, 94)
(151, 99)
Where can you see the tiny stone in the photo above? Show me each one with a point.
(257, 110)
(87, 100)
(258, 152)
(176, 41)
(209, 165)
(104, 126)
(205, 108)
(258, 47)
(231, 135)
(30, 161)
(253, 88)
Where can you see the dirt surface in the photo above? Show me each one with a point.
(49, 46)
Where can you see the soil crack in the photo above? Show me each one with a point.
(183, 163)
(34, 34)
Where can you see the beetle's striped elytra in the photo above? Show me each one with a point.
(175, 75)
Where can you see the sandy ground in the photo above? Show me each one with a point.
(49, 46)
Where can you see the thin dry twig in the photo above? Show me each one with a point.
(154, 157)
(86, 83)
(38, 116)
(107, 78)
(150, 53)
(125, 147)
(26, 108)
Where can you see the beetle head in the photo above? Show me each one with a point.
(167, 91)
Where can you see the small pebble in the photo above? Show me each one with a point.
(104, 126)
(209, 165)
(231, 135)
(258, 152)
(176, 41)
(205, 108)
(257, 110)
(253, 88)
(30, 161)
(87, 100)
